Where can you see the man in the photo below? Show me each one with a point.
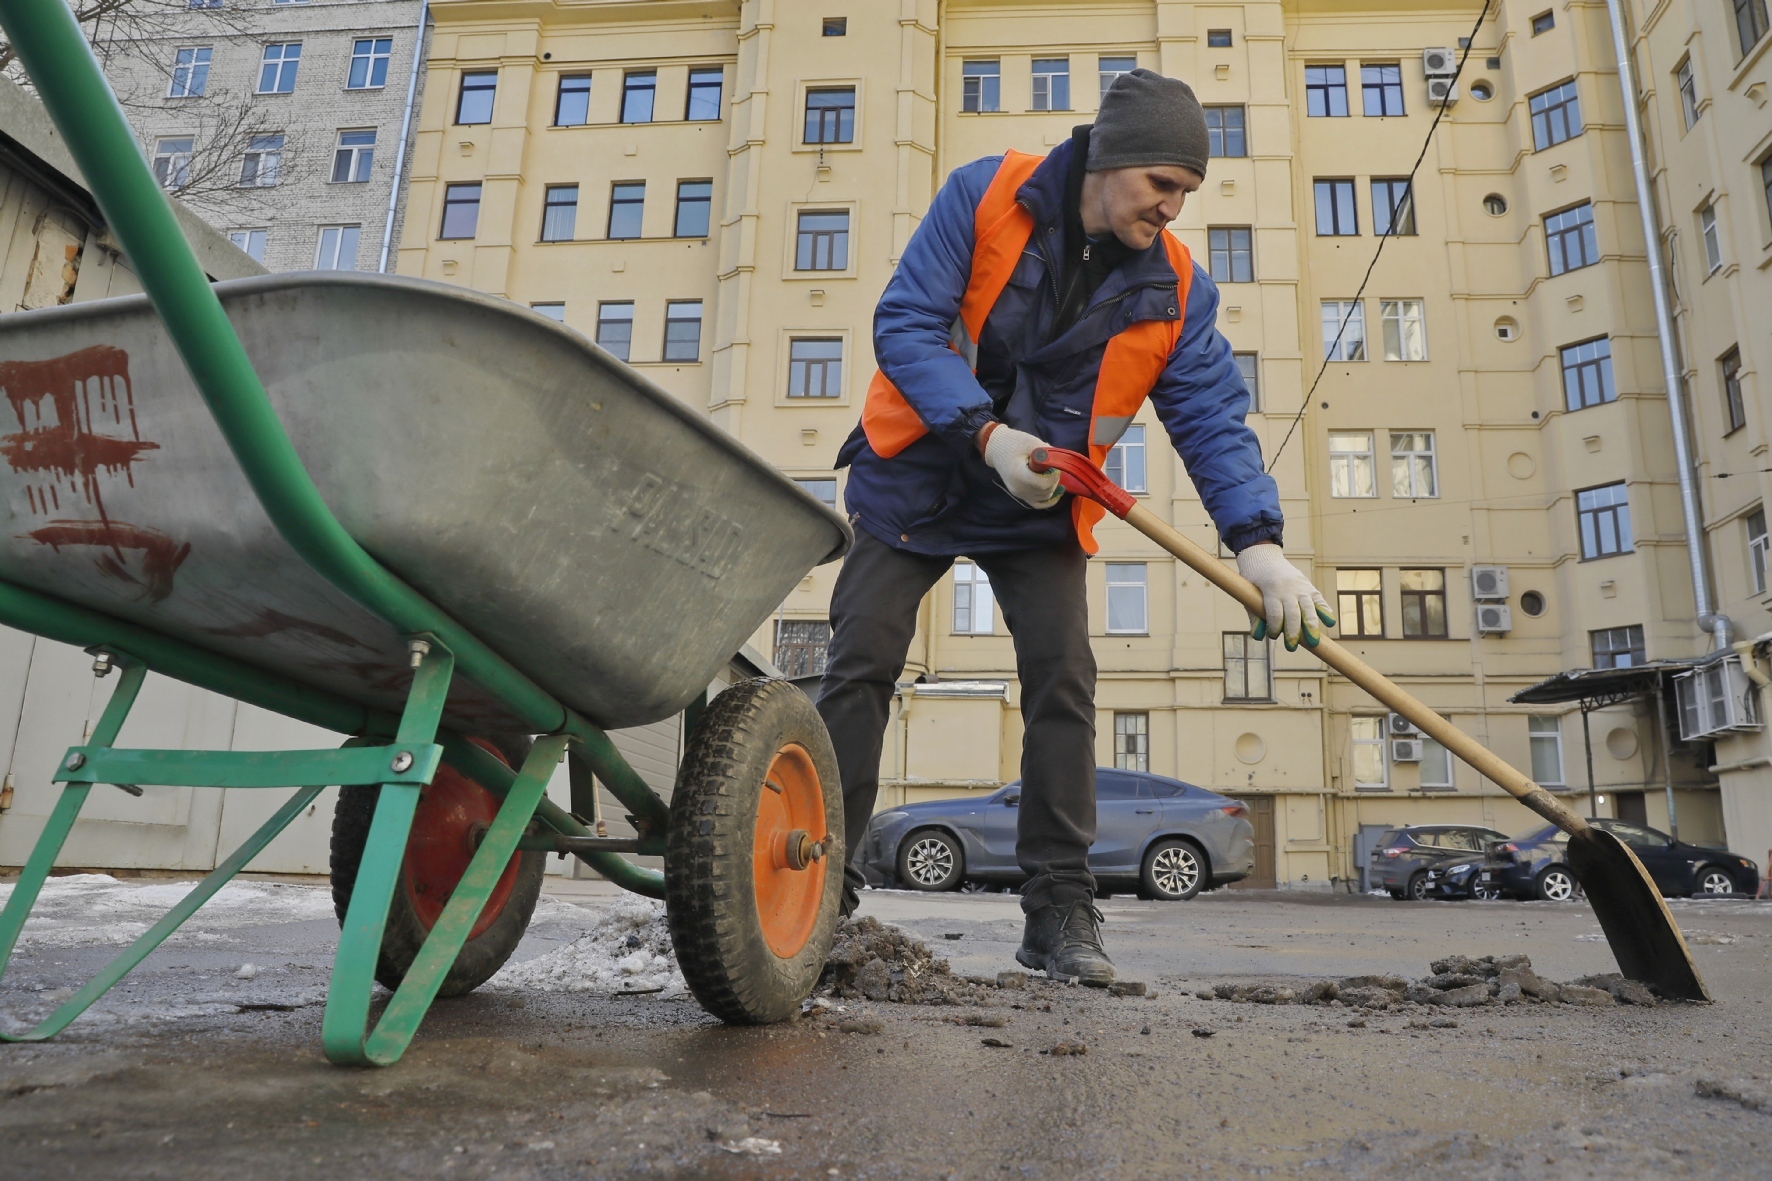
(1040, 301)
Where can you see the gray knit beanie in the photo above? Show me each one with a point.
(1146, 119)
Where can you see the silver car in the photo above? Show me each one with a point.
(1159, 837)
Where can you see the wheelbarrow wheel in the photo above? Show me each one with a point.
(453, 811)
(754, 853)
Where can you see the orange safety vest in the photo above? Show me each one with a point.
(1130, 367)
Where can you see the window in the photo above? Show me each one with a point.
(1335, 209)
(627, 206)
(683, 330)
(559, 213)
(1766, 183)
(276, 71)
(695, 203)
(1112, 67)
(615, 328)
(1713, 239)
(1750, 23)
(1733, 407)
(1232, 256)
(1603, 515)
(704, 94)
(1544, 22)
(337, 248)
(461, 211)
(1132, 741)
(1556, 115)
(1247, 668)
(1249, 365)
(1359, 606)
(1352, 469)
(554, 311)
(251, 241)
(1544, 733)
(1325, 92)
(190, 73)
(1436, 765)
(836, 26)
(354, 156)
(981, 86)
(1618, 647)
(1413, 470)
(801, 647)
(638, 88)
(369, 63)
(823, 242)
(1344, 330)
(1424, 604)
(1688, 92)
(474, 104)
(1569, 236)
(975, 608)
(172, 161)
(1225, 132)
(815, 367)
(1052, 84)
(1127, 599)
(572, 104)
(822, 489)
(830, 116)
(1495, 205)
(1405, 329)
(1587, 373)
(1368, 754)
(1393, 207)
(1756, 550)
(1218, 38)
(262, 165)
(1125, 460)
(1381, 90)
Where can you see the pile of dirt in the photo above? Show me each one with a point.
(1457, 982)
(876, 961)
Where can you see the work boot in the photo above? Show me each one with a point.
(1063, 939)
(853, 881)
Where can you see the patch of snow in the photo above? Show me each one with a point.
(626, 949)
(95, 909)
(753, 1146)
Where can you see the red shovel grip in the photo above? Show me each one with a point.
(1080, 477)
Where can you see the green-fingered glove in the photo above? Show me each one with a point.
(1287, 597)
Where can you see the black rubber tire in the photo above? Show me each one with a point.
(480, 957)
(1416, 890)
(710, 901)
(1150, 885)
(1544, 885)
(1400, 895)
(956, 858)
(1705, 871)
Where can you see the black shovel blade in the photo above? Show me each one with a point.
(1637, 922)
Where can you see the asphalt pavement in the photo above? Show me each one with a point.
(206, 1063)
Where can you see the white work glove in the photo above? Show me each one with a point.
(1287, 597)
(1008, 450)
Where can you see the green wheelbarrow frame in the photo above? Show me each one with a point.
(399, 753)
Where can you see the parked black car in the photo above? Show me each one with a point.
(1402, 857)
(1160, 837)
(1537, 866)
(1462, 878)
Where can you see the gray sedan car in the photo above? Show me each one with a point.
(1160, 837)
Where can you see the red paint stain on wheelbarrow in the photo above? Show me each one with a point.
(161, 556)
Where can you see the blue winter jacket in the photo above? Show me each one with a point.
(938, 496)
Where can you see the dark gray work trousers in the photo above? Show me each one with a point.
(1041, 595)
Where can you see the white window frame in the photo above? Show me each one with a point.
(1545, 732)
(1687, 84)
(1437, 770)
(1107, 75)
(1132, 740)
(1126, 460)
(1757, 545)
(342, 234)
(261, 165)
(975, 606)
(1043, 88)
(1245, 653)
(1128, 594)
(190, 78)
(1367, 733)
(1415, 469)
(172, 164)
(1712, 236)
(385, 56)
(283, 59)
(244, 240)
(358, 157)
(1404, 323)
(981, 93)
(1353, 470)
(1352, 345)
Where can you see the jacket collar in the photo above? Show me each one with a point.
(1043, 194)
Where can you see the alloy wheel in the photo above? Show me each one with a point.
(930, 861)
(1558, 885)
(1176, 869)
(1715, 881)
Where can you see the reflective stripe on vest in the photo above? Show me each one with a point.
(1130, 365)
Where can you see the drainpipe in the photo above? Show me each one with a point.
(418, 57)
(1708, 620)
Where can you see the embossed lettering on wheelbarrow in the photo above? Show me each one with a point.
(596, 532)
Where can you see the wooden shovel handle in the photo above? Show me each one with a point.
(1083, 478)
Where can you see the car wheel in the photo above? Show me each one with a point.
(931, 860)
(1484, 893)
(1398, 895)
(1713, 880)
(1173, 871)
(1416, 890)
(1557, 884)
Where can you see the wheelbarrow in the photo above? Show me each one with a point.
(442, 525)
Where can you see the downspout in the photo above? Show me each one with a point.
(1708, 620)
(418, 57)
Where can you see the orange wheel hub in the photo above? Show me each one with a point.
(453, 814)
(790, 807)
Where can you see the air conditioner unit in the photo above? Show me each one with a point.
(1405, 750)
(1489, 583)
(1443, 91)
(1494, 617)
(1716, 698)
(1398, 726)
(1439, 63)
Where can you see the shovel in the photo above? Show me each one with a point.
(1638, 925)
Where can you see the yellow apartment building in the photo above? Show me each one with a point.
(1483, 478)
